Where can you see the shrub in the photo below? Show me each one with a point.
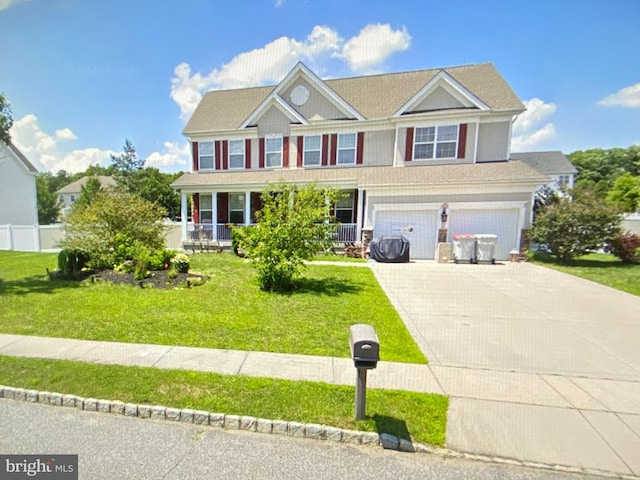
(574, 226)
(141, 258)
(626, 247)
(161, 259)
(180, 263)
(71, 261)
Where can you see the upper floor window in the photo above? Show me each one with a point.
(73, 198)
(205, 155)
(435, 142)
(564, 180)
(273, 151)
(312, 150)
(346, 148)
(236, 153)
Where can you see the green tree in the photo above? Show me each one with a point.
(88, 193)
(113, 221)
(126, 167)
(6, 119)
(573, 226)
(599, 168)
(155, 186)
(292, 227)
(625, 193)
(48, 202)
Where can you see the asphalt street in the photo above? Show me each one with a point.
(111, 446)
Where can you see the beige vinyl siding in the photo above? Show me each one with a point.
(438, 99)
(378, 148)
(273, 122)
(493, 141)
(317, 106)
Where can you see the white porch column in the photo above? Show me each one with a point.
(360, 212)
(214, 216)
(184, 215)
(247, 208)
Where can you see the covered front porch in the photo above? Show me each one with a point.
(214, 213)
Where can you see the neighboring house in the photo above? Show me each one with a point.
(554, 164)
(423, 153)
(17, 187)
(70, 193)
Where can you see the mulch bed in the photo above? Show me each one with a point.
(157, 279)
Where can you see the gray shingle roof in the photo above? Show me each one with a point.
(423, 175)
(76, 187)
(374, 96)
(548, 163)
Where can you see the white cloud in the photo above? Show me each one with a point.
(4, 4)
(42, 148)
(527, 133)
(628, 97)
(65, 134)
(373, 45)
(173, 157)
(279, 3)
(269, 64)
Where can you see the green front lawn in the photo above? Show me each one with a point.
(417, 416)
(598, 267)
(228, 312)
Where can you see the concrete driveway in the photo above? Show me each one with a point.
(540, 366)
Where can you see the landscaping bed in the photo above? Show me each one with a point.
(155, 279)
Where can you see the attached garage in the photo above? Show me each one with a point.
(417, 224)
(505, 221)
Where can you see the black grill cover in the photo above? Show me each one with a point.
(389, 249)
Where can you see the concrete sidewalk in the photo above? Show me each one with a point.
(581, 422)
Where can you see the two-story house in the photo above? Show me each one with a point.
(422, 153)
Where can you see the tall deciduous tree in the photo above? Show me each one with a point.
(291, 228)
(6, 119)
(48, 202)
(154, 186)
(625, 193)
(88, 193)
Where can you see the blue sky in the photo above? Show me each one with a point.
(83, 75)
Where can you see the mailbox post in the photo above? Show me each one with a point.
(365, 351)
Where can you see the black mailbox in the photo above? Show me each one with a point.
(365, 346)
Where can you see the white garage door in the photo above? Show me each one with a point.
(419, 227)
(500, 222)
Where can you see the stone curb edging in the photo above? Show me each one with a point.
(274, 427)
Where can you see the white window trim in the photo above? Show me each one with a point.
(304, 151)
(266, 151)
(213, 155)
(435, 143)
(244, 154)
(354, 148)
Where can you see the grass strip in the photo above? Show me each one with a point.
(420, 417)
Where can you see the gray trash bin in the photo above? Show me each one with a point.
(486, 247)
(464, 247)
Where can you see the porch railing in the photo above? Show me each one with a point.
(203, 232)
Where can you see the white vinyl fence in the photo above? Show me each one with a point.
(46, 238)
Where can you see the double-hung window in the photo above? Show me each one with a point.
(312, 150)
(236, 208)
(205, 156)
(273, 152)
(344, 208)
(236, 154)
(206, 209)
(346, 148)
(435, 142)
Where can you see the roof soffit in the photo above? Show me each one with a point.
(451, 86)
(301, 70)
